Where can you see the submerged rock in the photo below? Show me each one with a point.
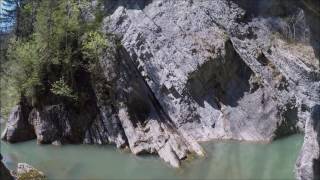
(27, 172)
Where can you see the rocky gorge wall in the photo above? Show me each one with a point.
(180, 72)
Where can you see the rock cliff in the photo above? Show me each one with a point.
(180, 72)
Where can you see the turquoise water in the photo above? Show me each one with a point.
(224, 160)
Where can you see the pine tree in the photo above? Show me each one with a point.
(49, 33)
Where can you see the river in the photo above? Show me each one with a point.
(224, 160)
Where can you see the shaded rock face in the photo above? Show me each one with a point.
(269, 7)
(180, 72)
(308, 164)
(312, 9)
(57, 123)
(18, 128)
(53, 119)
(4, 172)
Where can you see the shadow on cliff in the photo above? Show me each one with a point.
(142, 102)
(112, 5)
(222, 80)
(312, 13)
(316, 122)
(268, 8)
(287, 9)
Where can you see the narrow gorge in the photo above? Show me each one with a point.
(178, 73)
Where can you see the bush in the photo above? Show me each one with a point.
(93, 44)
(61, 88)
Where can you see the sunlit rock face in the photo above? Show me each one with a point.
(223, 69)
(180, 72)
(204, 60)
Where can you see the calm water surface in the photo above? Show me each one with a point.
(224, 160)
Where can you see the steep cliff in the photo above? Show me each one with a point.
(180, 72)
(308, 163)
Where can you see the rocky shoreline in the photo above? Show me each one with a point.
(179, 72)
(24, 171)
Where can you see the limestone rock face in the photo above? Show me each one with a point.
(220, 70)
(179, 72)
(216, 72)
(308, 163)
(130, 114)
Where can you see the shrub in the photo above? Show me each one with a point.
(93, 44)
(61, 88)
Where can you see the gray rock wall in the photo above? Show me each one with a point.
(18, 128)
(308, 163)
(187, 50)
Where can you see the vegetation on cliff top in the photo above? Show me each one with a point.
(49, 42)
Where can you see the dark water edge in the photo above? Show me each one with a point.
(224, 160)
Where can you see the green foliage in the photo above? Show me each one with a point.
(51, 33)
(24, 65)
(57, 25)
(21, 72)
(93, 45)
(9, 96)
(61, 88)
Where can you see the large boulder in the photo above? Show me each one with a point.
(18, 128)
(27, 172)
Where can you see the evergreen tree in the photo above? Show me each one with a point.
(49, 33)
